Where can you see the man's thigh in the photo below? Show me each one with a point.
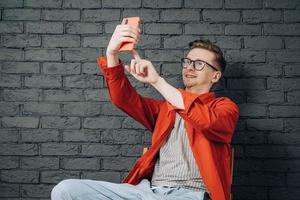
(178, 193)
(85, 189)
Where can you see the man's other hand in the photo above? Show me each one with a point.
(142, 69)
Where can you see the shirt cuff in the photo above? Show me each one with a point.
(188, 100)
(110, 73)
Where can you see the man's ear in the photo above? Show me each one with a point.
(216, 76)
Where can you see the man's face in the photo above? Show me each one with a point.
(204, 78)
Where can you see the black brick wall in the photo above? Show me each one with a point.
(57, 121)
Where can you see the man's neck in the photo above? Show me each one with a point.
(198, 90)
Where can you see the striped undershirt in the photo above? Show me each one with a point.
(176, 165)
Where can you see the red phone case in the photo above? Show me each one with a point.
(135, 21)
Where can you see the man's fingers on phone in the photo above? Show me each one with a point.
(134, 29)
(127, 39)
(130, 33)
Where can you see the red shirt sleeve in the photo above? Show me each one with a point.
(125, 97)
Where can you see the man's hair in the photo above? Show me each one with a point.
(208, 45)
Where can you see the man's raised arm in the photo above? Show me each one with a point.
(122, 94)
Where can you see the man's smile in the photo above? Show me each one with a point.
(190, 76)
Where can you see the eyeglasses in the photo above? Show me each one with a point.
(197, 64)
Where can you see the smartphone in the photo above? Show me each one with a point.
(134, 21)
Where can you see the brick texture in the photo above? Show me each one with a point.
(56, 118)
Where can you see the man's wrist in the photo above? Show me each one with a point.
(158, 82)
(112, 60)
(112, 54)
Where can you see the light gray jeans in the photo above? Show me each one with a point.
(86, 189)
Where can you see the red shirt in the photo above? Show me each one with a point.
(209, 122)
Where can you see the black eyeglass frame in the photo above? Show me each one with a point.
(193, 62)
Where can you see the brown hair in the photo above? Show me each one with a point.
(207, 44)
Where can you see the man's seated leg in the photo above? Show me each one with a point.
(178, 193)
(85, 189)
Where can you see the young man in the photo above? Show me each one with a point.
(191, 129)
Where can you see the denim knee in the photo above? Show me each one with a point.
(62, 190)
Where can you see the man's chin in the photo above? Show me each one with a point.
(188, 82)
(188, 85)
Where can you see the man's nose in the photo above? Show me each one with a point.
(190, 67)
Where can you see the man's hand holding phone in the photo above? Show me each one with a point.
(125, 34)
(124, 38)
